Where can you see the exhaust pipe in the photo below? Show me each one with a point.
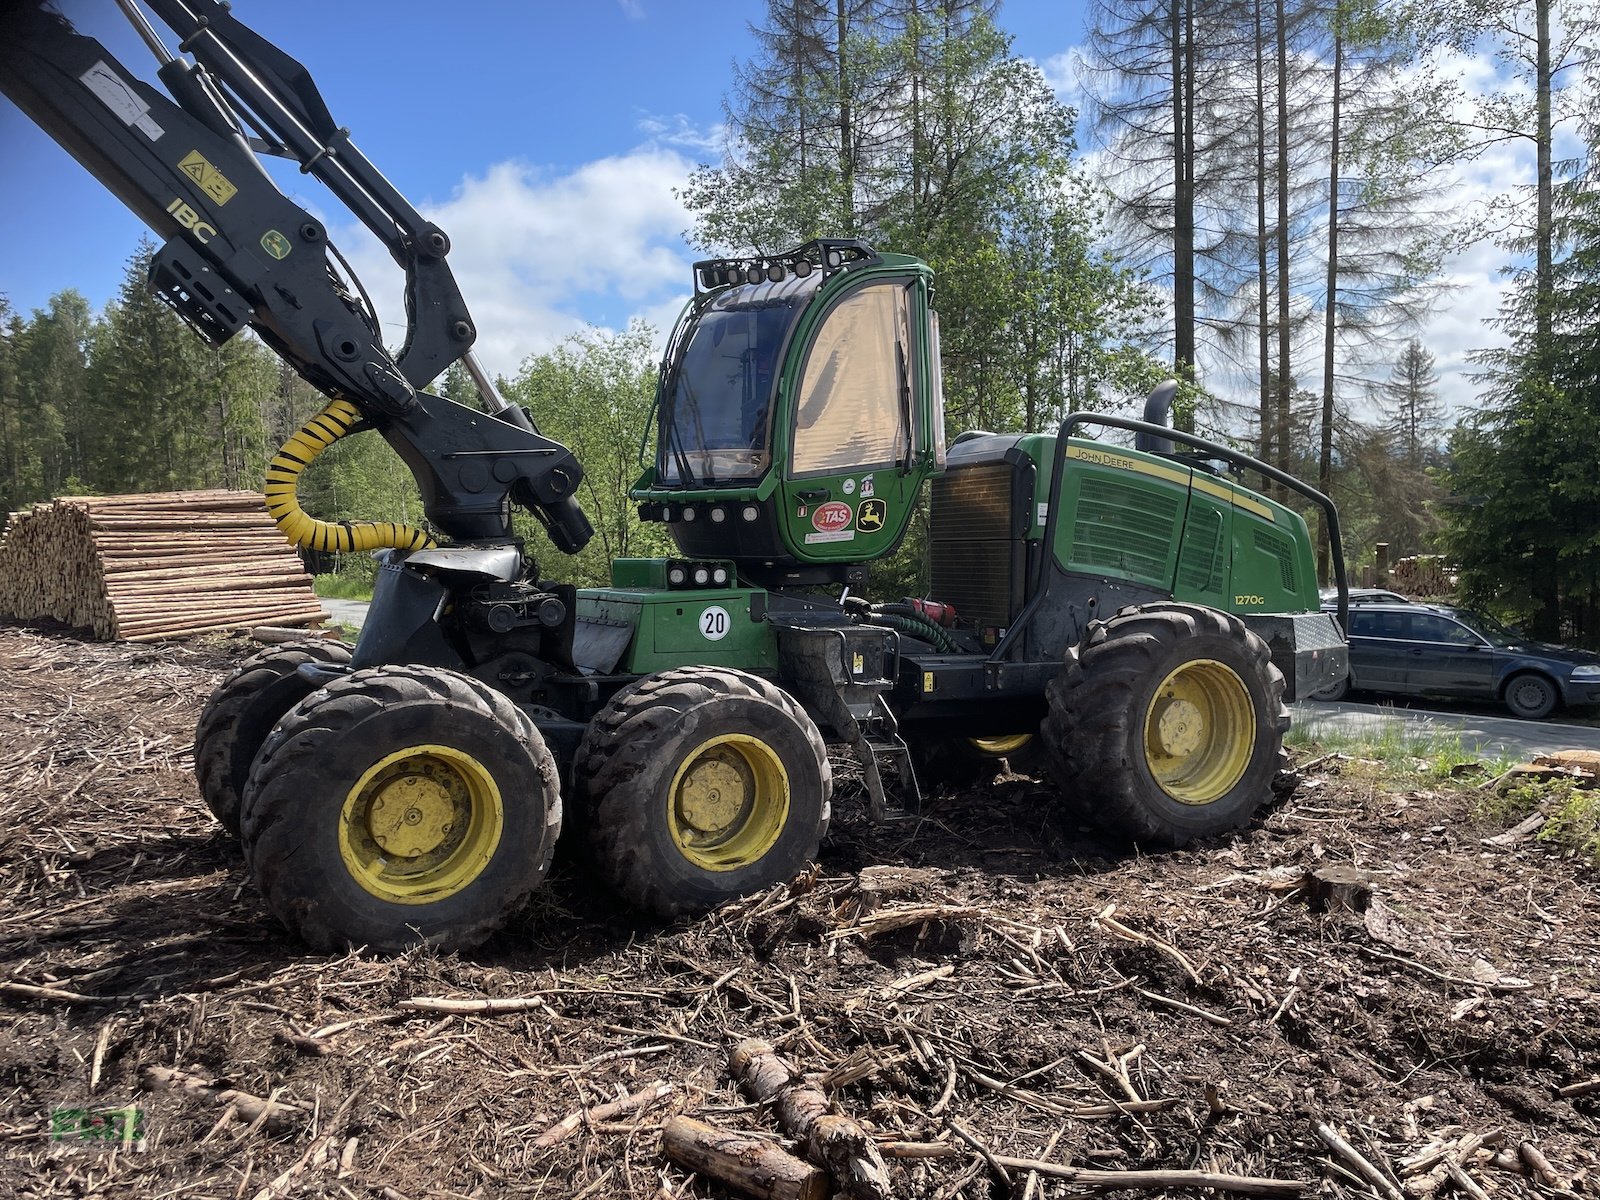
(1158, 411)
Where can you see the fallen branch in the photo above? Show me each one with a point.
(1352, 1158)
(1104, 920)
(570, 1124)
(1244, 1185)
(276, 1115)
(834, 1142)
(488, 1006)
(747, 1164)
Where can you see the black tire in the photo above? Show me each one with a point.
(483, 811)
(1198, 766)
(1337, 690)
(240, 714)
(635, 778)
(1530, 696)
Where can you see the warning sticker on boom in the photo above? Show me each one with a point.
(117, 94)
(212, 181)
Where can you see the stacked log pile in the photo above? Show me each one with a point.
(153, 566)
(1424, 577)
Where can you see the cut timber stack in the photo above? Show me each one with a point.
(160, 565)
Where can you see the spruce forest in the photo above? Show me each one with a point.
(1248, 195)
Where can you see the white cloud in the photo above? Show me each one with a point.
(632, 9)
(676, 129)
(540, 256)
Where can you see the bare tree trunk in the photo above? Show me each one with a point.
(1183, 267)
(1263, 274)
(1544, 232)
(1331, 302)
(1285, 376)
(847, 160)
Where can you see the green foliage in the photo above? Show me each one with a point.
(594, 394)
(1397, 752)
(353, 580)
(1573, 811)
(1525, 491)
(917, 130)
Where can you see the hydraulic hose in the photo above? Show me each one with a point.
(302, 529)
(916, 627)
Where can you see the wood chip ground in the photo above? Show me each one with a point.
(1026, 1012)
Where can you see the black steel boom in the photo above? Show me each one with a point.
(237, 252)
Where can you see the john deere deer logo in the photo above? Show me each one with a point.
(871, 516)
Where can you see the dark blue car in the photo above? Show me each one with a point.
(1440, 650)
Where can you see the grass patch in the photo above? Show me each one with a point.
(1400, 753)
(1573, 811)
(344, 586)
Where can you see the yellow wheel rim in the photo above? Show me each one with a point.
(728, 802)
(998, 747)
(1199, 732)
(421, 824)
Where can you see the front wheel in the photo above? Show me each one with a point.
(700, 785)
(1167, 723)
(240, 714)
(1532, 697)
(401, 805)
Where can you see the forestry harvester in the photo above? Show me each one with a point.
(1137, 613)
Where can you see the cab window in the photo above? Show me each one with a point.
(855, 391)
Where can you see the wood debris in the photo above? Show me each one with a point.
(965, 1008)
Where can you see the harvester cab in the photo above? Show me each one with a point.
(798, 413)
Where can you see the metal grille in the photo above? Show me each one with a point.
(1280, 549)
(969, 544)
(1124, 528)
(1201, 561)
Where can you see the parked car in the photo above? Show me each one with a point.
(1440, 650)
(1330, 597)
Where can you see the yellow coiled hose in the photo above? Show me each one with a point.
(302, 529)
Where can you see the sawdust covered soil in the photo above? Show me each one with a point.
(1011, 983)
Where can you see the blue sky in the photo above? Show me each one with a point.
(544, 137)
(547, 138)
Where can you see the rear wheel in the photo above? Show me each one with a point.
(1337, 690)
(240, 714)
(1167, 724)
(700, 785)
(1530, 696)
(401, 805)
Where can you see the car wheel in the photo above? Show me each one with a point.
(1337, 690)
(1530, 696)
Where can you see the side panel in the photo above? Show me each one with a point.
(1122, 517)
(721, 628)
(1205, 564)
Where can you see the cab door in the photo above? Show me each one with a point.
(850, 482)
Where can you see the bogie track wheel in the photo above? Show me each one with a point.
(700, 785)
(400, 805)
(1167, 723)
(240, 714)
